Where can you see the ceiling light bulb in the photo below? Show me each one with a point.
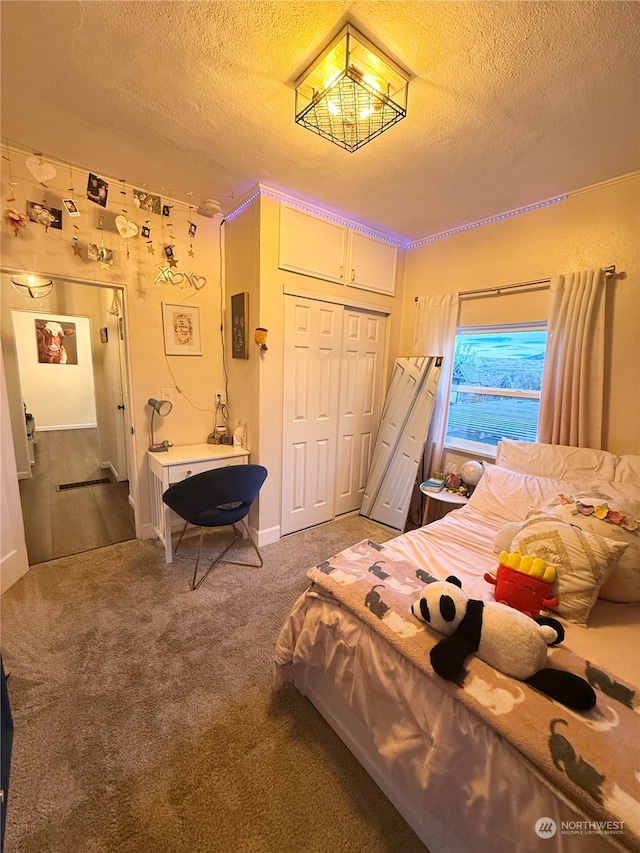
(332, 79)
(333, 108)
(372, 81)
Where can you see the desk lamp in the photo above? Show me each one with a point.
(162, 407)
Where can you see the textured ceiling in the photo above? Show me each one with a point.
(510, 103)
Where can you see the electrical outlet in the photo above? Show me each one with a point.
(221, 397)
(166, 394)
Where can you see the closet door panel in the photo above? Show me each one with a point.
(400, 444)
(360, 404)
(313, 343)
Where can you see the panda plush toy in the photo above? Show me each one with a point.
(506, 639)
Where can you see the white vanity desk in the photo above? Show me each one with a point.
(177, 464)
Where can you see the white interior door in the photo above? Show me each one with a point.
(116, 395)
(360, 402)
(313, 343)
(14, 561)
(399, 446)
(405, 381)
(392, 503)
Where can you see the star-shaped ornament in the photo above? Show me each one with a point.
(104, 265)
(77, 249)
(190, 253)
(150, 248)
(173, 263)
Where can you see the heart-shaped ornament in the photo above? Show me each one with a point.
(40, 169)
(198, 281)
(126, 228)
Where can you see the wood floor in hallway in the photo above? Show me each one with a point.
(58, 523)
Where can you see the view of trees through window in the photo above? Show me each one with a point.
(495, 391)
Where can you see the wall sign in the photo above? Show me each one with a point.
(239, 320)
(181, 329)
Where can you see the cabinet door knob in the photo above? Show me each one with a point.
(353, 275)
(188, 474)
(341, 275)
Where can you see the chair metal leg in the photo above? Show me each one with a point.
(220, 556)
(186, 524)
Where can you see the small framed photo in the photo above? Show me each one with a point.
(239, 321)
(147, 201)
(181, 325)
(168, 250)
(192, 229)
(99, 253)
(104, 334)
(97, 190)
(146, 231)
(50, 217)
(71, 207)
(166, 209)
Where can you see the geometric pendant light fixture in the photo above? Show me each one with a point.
(352, 92)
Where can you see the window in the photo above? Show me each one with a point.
(495, 390)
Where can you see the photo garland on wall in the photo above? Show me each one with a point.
(239, 319)
(181, 329)
(56, 342)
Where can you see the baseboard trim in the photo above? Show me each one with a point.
(266, 537)
(66, 426)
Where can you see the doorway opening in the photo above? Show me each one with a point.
(70, 418)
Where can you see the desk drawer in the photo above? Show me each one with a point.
(177, 473)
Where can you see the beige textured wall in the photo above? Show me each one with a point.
(593, 228)
(51, 252)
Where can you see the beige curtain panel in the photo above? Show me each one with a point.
(435, 334)
(572, 381)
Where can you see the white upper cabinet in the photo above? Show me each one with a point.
(311, 245)
(373, 264)
(318, 247)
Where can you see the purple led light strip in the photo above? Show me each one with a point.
(398, 243)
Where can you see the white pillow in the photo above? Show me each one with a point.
(628, 471)
(557, 460)
(508, 495)
(623, 584)
(583, 561)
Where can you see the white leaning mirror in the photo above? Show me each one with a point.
(400, 441)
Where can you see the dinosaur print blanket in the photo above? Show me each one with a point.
(592, 757)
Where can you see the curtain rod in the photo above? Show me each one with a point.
(609, 272)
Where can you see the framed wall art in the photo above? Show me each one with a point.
(181, 329)
(239, 323)
(56, 342)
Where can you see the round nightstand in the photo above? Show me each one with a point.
(443, 497)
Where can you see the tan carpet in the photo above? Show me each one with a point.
(144, 718)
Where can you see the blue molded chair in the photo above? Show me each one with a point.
(215, 499)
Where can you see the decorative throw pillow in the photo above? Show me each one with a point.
(583, 561)
(505, 535)
(602, 517)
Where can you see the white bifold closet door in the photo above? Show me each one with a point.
(401, 437)
(332, 401)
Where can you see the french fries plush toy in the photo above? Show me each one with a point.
(524, 583)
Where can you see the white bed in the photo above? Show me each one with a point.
(459, 783)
